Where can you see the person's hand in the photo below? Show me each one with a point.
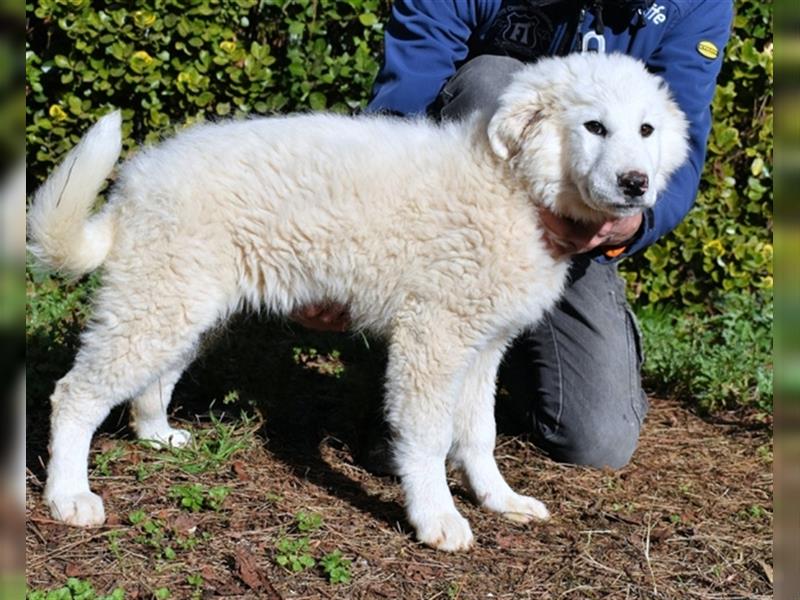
(323, 317)
(566, 237)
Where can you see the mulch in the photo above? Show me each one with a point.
(690, 517)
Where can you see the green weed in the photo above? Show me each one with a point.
(75, 589)
(623, 507)
(453, 590)
(154, 534)
(329, 363)
(336, 567)
(104, 460)
(114, 545)
(308, 521)
(754, 512)
(294, 554)
(273, 497)
(196, 581)
(231, 397)
(196, 497)
(209, 450)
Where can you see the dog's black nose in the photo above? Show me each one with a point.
(633, 183)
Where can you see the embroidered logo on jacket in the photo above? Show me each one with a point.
(521, 31)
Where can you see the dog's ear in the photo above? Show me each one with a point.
(513, 122)
(674, 145)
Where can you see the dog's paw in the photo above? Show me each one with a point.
(81, 510)
(447, 531)
(522, 509)
(166, 437)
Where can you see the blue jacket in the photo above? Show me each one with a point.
(681, 40)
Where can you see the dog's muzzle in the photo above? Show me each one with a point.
(633, 183)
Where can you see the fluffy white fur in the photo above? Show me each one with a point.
(428, 233)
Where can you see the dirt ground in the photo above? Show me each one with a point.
(690, 517)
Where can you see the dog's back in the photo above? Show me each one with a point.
(287, 211)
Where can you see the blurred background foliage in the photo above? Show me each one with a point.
(169, 63)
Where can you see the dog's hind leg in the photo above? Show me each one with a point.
(425, 362)
(474, 442)
(149, 412)
(130, 345)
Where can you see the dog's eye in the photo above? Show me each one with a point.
(595, 127)
(646, 129)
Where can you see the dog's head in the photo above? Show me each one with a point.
(592, 135)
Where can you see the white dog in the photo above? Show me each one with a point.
(428, 233)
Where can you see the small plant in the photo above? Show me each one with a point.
(329, 364)
(453, 590)
(308, 521)
(195, 497)
(231, 397)
(210, 450)
(137, 517)
(104, 460)
(114, 543)
(75, 589)
(273, 497)
(623, 507)
(294, 555)
(216, 496)
(336, 568)
(190, 496)
(162, 593)
(196, 581)
(764, 452)
(754, 512)
(152, 533)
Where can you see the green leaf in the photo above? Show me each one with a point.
(317, 101)
(367, 19)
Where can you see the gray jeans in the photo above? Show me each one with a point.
(574, 382)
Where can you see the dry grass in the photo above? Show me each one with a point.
(691, 517)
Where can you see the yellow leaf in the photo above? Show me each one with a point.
(57, 113)
(142, 56)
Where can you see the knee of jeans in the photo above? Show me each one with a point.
(609, 445)
(478, 84)
(489, 70)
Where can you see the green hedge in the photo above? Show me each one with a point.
(167, 63)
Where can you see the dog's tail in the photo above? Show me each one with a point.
(63, 234)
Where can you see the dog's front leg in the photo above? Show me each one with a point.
(424, 366)
(474, 440)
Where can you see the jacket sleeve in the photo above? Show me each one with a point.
(424, 43)
(692, 80)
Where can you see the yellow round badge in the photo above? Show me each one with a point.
(708, 49)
